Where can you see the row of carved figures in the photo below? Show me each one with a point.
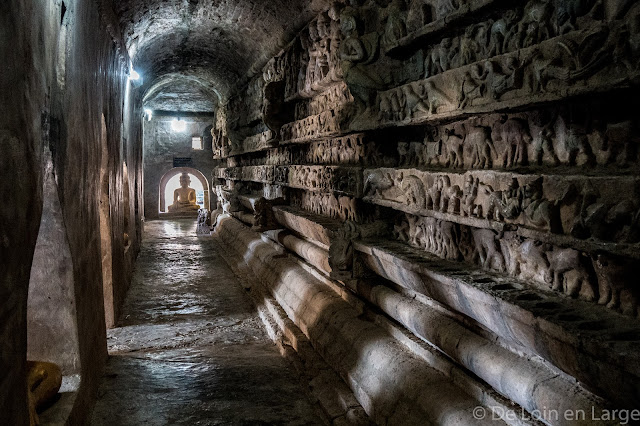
(327, 204)
(517, 28)
(536, 138)
(600, 277)
(542, 70)
(578, 209)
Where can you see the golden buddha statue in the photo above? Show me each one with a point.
(43, 380)
(184, 198)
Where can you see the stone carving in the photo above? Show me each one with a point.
(565, 270)
(544, 204)
(184, 198)
(616, 277)
(258, 142)
(204, 222)
(321, 178)
(356, 53)
(326, 124)
(327, 204)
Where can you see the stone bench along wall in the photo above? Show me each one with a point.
(469, 172)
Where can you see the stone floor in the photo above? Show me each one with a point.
(190, 349)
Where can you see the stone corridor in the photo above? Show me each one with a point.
(339, 212)
(189, 348)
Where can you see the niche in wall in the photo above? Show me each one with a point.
(52, 329)
(171, 181)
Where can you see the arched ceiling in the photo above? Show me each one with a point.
(218, 43)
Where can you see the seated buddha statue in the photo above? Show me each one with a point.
(43, 381)
(184, 198)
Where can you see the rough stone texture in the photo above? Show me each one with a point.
(59, 74)
(190, 348)
(162, 145)
(52, 327)
(219, 43)
(484, 156)
(380, 371)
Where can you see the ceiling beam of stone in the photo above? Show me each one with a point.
(221, 43)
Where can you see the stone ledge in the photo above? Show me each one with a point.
(364, 355)
(589, 342)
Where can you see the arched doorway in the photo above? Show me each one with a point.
(173, 175)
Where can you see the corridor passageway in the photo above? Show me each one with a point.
(189, 348)
(349, 212)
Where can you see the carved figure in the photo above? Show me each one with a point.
(503, 78)
(613, 274)
(504, 204)
(450, 197)
(363, 84)
(514, 133)
(453, 149)
(184, 198)
(433, 194)
(395, 28)
(445, 7)
(437, 97)
(532, 261)
(469, 195)
(376, 183)
(535, 25)
(487, 250)
(538, 211)
(412, 102)
(568, 11)
(413, 187)
(619, 143)
(473, 86)
(570, 273)
(480, 145)
(499, 32)
(544, 145)
(439, 59)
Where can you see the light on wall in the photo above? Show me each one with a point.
(178, 125)
(133, 75)
(148, 113)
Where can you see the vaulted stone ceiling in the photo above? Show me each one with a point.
(215, 43)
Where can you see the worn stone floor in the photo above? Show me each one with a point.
(189, 348)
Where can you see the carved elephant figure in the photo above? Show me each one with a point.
(478, 147)
(453, 149)
(616, 276)
(377, 182)
(515, 135)
(532, 262)
(487, 250)
(347, 208)
(570, 273)
(449, 240)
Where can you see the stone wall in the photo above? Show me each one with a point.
(63, 68)
(162, 145)
(468, 171)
